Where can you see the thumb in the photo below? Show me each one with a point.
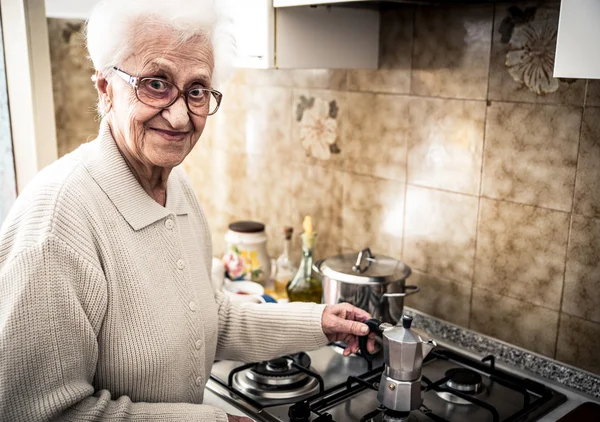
(351, 327)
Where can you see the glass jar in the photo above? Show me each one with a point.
(246, 257)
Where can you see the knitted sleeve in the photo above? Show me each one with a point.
(52, 304)
(254, 332)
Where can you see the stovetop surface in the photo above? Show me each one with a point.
(335, 369)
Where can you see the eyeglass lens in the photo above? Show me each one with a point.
(160, 93)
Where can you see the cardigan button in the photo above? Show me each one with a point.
(169, 224)
(199, 381)
(193, 306)
(181, 264)
(198, 344)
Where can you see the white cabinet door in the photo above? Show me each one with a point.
(254, 25)
(577, 51)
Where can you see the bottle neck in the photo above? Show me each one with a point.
(286, 247)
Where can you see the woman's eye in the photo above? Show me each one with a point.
(158, 85)
(197, 93)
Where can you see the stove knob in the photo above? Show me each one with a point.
(300, 412)
(326, 417)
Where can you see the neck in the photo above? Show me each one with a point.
(153, 179)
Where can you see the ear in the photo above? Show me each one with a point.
(104, 91)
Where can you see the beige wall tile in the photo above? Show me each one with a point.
(522, 324)
(593, 93)
(521, 251)
(74, 94)
(441, 298)
(446, 143)
(581, 295)
(374, 135)
(372, 216)
(335, 79)
(528, 52)
(530, 154)
(254, 120)
(439, 232)
(395, 52)
(578, 343)
(587, 186)
(451, 51)
(317, 191)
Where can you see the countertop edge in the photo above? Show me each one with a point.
(547, 368)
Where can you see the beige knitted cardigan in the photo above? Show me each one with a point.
(106, 306)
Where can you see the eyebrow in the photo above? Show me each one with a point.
(154, 68)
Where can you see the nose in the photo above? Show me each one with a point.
(177, 114)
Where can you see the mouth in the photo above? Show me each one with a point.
(171, 135)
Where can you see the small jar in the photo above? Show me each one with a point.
(246, 257)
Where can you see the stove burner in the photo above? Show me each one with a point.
(393, 416)
(464, 380)
(278, 379)
(279, 365)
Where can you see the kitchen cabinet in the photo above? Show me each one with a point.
(577, 52)
(304, 37)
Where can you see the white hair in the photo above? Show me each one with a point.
(109, 28)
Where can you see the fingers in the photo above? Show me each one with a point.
(348, 311)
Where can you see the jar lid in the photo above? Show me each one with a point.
(247, 227)
(364, 268)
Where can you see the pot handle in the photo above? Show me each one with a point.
(373, 325)
(415, 289)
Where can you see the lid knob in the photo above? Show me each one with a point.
(407, 321)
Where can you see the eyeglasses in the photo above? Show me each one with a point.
(160, 93)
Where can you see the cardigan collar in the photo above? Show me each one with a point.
(109, 169)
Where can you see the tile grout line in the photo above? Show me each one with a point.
(479, 196)
(562, 291)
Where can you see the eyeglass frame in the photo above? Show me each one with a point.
(134, 81)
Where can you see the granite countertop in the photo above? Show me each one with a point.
(569, 376)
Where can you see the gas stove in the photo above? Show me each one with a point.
(324, 385)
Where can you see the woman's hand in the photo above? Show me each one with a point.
(233, 418)
(344, 322)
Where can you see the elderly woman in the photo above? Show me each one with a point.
(106, 305)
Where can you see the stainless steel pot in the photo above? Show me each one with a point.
(373, 283)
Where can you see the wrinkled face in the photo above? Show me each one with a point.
(151, 136)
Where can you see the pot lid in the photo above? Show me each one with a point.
(364, 268)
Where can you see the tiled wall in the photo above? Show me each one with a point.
(460, 156)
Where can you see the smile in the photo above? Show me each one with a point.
(171, 135)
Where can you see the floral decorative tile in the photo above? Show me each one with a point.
(374, 135)
(521, 251)
(439, 233)
(520, 323)
(372, 214)
(587, 185)
(318, 126)
(522, 62)
(530, 154)
(578, 343)
(582, 277)
(395, 50)
(451, 51)
(446, 144)
(441, 298)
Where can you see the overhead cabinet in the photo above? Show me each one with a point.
(577, 52)
(305, 37)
